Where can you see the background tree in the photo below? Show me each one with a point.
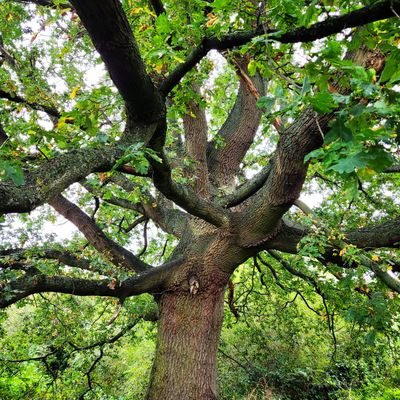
(209, 161)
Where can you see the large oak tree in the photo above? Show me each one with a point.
(214, 151)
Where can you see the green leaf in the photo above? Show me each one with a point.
(391, 66)
(314, 154)
(323, 102)
(332, 50)
(12, 171)
(219, 4)
(351, 187)
(349, 164)
(252, 67)
(339, 130)
(306, 86)
(266, 102)
(162, 24)
(383, 108)
(376, 158)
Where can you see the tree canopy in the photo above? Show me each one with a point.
(183, 141)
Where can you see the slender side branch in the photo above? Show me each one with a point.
(296, 272)
(45, 3)
(135, 223)
(248, 188)
(207, 44)
(64, 257)
(116, 201)
(50, 110)
(167, 218)
(392, 169)
(110, 340)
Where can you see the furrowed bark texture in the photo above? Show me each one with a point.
(191, 307)
(55, 175)
(237, 132)
(196, 129)
(185, 365)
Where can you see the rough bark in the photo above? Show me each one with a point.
(374, 236)
(237, 132)
(185, 365)
(54, 176)
(111, 34)
(196, 129)
(260, 220)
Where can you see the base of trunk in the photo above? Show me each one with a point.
(185, 365)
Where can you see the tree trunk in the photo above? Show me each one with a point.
(185, 364)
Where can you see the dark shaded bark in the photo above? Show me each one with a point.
(111, 34)
(157, 6)
(3, 135)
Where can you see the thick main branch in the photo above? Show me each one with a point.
(111, 34)
(55, 175)
(238, 130)
(117, 254)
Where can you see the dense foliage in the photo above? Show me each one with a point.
(181, 134)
